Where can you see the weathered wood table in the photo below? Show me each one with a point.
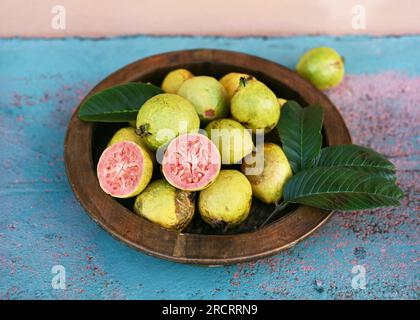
(42, 224)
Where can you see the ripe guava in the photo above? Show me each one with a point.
(281, 102)
(175, 79)
(273, 172)
(126, 133)
(129, 133)
(165, 205)
(164, 117)
(255, 105)
(322, 66)
(231, 82)
(232, 139)
(191, 162)
(227, 202)
(208, 97)
(124, 169)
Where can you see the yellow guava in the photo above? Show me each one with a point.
(165, 205)
(227, 202)
(268, 171)
(175, 79)
(281, 102)
(231, 138)
(231, 82)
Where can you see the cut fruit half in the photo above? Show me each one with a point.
(191, 162)
(124, 169)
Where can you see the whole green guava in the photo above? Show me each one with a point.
(255, 105)
(322, 66)
(208, 97)
(164, 117)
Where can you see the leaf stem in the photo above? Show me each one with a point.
(279, 206)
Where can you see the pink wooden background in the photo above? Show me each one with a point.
(198, 17)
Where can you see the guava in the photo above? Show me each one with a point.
(231, 82)
(322, 66)
(208, 97)
(281, 102)
(129, 133)
(268, 172)
(227, 202)
(164, 117)
(255, 105)
(165, 205)
(191, 162)
(175, 79)
(231, 138)
(124, 169)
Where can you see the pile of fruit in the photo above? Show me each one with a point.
(200, 136)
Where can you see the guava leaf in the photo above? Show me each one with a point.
(356, 157)
(341, 188)
(120, 103)
(300, 133)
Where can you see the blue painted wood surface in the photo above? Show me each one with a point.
(42, 224)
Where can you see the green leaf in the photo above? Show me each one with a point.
(300, 133)
(356, 157)
(120, 103)
(340, 188)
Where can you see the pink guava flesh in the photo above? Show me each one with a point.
(191, 162)
(120, 168)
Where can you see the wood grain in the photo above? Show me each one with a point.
(84, 142)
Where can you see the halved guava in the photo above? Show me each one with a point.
(124, 169)
(191, 162)
(129, 134)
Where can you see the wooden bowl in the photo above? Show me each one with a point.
(199, 244)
